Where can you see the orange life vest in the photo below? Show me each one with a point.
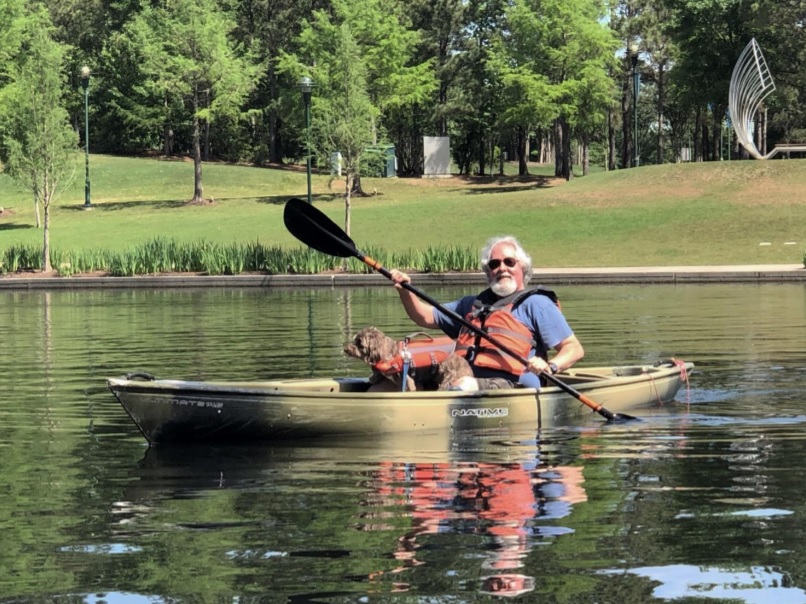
(412, 354)
(495, 318)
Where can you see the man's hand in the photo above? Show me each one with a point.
(399, 277)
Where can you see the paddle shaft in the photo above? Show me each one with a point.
(480, 332)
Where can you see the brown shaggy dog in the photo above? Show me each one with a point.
(371, 345)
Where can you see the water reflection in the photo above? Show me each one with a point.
(509, 500)
(757, 585)
(505, 504)
(702, 499)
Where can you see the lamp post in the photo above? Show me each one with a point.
(306, 86)
(635, 82)
(85, 84)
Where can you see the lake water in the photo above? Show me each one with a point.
(702, 501)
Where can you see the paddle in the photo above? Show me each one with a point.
(313, 228)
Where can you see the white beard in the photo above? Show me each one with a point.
(503, 288)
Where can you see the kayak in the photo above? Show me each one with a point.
(172, 411)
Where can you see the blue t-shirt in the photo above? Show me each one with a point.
(537, 312)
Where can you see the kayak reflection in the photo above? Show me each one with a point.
(473, 506)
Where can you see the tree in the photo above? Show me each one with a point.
(38, 146)
(361, 54)
(660, 53)
(710, 35)
(188, 56)
(531, 102)
(345, 119)
(439, 26)
(560, 51)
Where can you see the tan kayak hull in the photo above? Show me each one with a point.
(188, 411)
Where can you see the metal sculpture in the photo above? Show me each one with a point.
(750, 84)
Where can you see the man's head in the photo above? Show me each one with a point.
(507, 265)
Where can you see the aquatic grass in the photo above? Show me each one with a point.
(17, 258)
(445, 259)
(163, 255)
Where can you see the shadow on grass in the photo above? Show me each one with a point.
(282, 199)
(175, 203)
(506, 184)
(114, 206)
(14, 226)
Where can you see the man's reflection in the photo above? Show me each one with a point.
(501, 501)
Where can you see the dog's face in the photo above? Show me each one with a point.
(371, 345)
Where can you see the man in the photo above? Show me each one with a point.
(528, 321)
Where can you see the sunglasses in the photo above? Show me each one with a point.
(495, 263)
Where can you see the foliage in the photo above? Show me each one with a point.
(491, 74)
(188, 63)
(360, 52)
(162, 255)
(38, 142)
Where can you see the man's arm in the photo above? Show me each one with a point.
(569, 351)
(419, 311)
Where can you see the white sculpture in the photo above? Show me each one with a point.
(750, 84)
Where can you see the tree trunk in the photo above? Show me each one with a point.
(167, 132)
(482, 150)
(523, 150)
(207, 153)
(567, 160)
(585, 155)
(661, 92)
(36, 209)
(198, 189)
(705, 143)
(527, 149)
(167, 140)
(696, 151)
(763, 147)
(46, 232)
(275, 149)
(348, 185)
(558, 145)
(611, 141)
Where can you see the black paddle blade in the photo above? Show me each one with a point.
(316, 230)
(619, 418)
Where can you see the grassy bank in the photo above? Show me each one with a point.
(686, 214)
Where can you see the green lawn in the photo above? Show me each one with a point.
(688, 214)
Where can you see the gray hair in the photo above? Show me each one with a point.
(520, 255)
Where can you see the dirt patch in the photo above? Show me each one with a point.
(30, 274)
(5, 213)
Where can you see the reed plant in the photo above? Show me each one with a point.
(163, 255)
